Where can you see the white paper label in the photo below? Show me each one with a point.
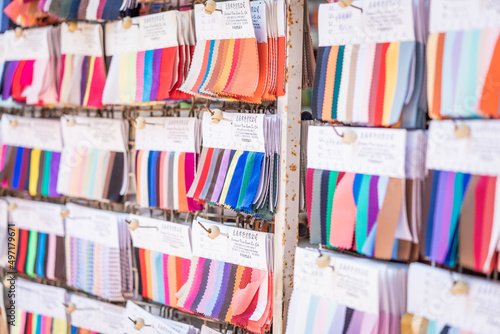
(259, 17)
(454, 15)
(94, 225)
(120, 40)
(310, 278)
(237, 132)
(380, 22)
(4, 229)
(33, 44)
(100, 133)
(40, 299)
(37, 216)
(232, 22)
(203, 246)
(208, 330)
(162, 236)
(171, 134)
(375, 151)
(154, 324)
(477, 154)
(86, 40)
(248, 248)
(158, 31)
(97, 316)
(44, 134)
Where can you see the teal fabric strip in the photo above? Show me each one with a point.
(148, 75)
(246, 179)
(361, 229)
(338, 78)
(160, 271)
(332, 186)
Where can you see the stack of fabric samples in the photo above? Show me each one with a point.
(345, 295)
(38, 239)
(167, 149)
(370, 68)
(440, 301)
(94, 161)
(228, 280)
(98, 252)
(461, 225)
(30, 155)
(39, 309)
(91, 316)
(83, 72)
(239, 164)
(463, 56)
(150, 60)
(163, 256)
(152, 323)
(364, 195)
(30, 69)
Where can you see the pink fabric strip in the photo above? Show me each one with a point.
(79, 186)
(2, 163)
(139, 76)
(51, 257)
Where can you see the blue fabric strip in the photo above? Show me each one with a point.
(148, 75)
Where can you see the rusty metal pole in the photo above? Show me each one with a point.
(287, 217)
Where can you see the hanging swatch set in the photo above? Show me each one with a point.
(370, 66)
(229, 62)
(239, 164)
(230, 277)
(30, 155)
(39, 239)
(150, 60)
(349, 295)
(165, 162)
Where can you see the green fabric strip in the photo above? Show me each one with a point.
(46, 173)
(332, 186)
(361, 229)
(246, 178)
(31, 257)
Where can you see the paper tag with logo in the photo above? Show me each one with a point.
(86, 40)
(97, 316)
(40, 299)
(33, 44)
(44, 134)
(248, 248)
(203, 246)
(37, 216)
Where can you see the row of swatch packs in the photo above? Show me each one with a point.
(51, 310)
(176, 264)
(239, 55)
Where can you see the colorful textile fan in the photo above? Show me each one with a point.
(465, 312)
(240, 170)
(153, 323)
(371, 78)
(84, 10)
(30, 155)
(38, 239)
(150, 60)
(98, 253)
(39, 309)
(357, 205)
(229, 63)
(242, 283)
(30, 68)
(463, 70)
(163, 264)
(94, 162)
(83, 73)
(461, 224)
(165, 166)
(26, 13)
(92, 317)
(321, 304)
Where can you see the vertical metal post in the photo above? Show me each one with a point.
(286, 225)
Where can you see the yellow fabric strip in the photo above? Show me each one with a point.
(89, 81)
(172, 281)
(391, 77)
(34, 169)
(59, 326)
(229, 176)
(228, 62)
(123, 78)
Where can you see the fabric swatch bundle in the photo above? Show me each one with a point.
(437, 302)
(167, 149)
(463, 53)
(239, 164)
(461, 218)
(162, 256)
(369, 66)
(365, 195)
(98, 253)
(149, 60)
(30, 155)
(4, 19)
(31, 66)
(91, 316)
(226, 62)
(39, 309)
(83, 10)
(94, 161)
(351, 295)
(231, 276)
(152, 323)
(39, 239)
(83, 72)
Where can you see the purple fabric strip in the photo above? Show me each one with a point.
(445, 222)
(54, 170)
(222, 176)
(372, 204)
(155, 84)
(438, 214)
(85, 77)
(337, 324)
(356, 322)
(220, 298)
(383, 325)
(9, 76)
(455, 62)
